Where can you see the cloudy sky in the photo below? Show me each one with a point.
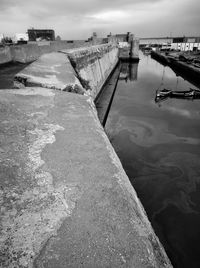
(77, 19)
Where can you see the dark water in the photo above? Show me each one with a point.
(7, 73)
(159, 146)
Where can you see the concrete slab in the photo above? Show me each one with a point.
(65, 198)
(52, 70)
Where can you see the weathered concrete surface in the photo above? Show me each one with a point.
(129, 49)
(65, 199)
(25, 53)
(5, 55)
(93, 65)
(189, 69)
(51, 70)
(186, 70)
(135, 49)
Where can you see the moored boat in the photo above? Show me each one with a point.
(168, 93)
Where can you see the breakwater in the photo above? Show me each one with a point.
(65, 198)
(184, 68)
(25, 53)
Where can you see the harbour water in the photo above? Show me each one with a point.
(159, 147)
(7, 73)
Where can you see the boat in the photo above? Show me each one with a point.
(168, 93)
(163, 93)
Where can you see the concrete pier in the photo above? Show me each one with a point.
(183, 68)
(130, 52)
(65, 198)
(52, 70)
(5, 55)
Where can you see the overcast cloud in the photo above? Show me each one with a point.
(77, 19)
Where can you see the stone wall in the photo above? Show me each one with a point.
(5, 55)
(25, 53)
(94, 65)
(33, 50)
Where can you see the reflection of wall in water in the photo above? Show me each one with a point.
(128, 71)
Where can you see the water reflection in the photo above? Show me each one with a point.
(128, 71)
(159, 147)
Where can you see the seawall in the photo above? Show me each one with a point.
(25, 53)
(65, 198)
(185, 68)
(182, 68)
(5, 55)
(94, 65)
(160, 57)
(85, 69)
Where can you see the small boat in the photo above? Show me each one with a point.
(163, 93)
(168, 93)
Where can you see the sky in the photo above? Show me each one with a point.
(77, 19)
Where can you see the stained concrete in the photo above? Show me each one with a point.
(85, 72)
(25, 52)
(51, 70)
(93, 65)
(5, 55)
(65, 198)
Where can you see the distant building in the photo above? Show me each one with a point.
(41, 34)
(175, 43)
(153, 41)
(186, 43)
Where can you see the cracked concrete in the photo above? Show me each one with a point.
(93, 65)
(51, 70)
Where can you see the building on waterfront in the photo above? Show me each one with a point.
(41, 34)
(176, 43)
(186, 43)
(155, 41)
(121, 38)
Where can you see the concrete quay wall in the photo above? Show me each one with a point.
(52, 70)
(25, 53)
(183, 68)
(94, 65)
(29, 52)
(85, 69)
(65, 198)
(5, 55)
